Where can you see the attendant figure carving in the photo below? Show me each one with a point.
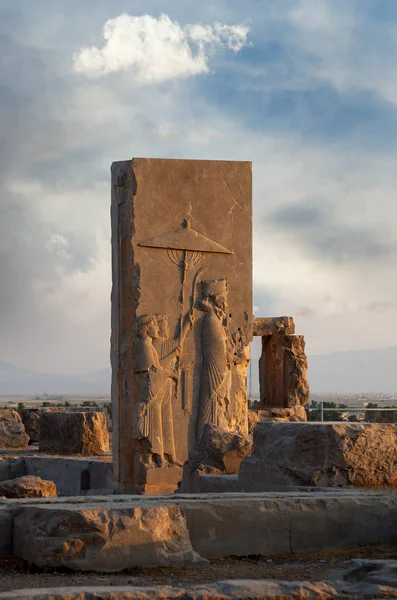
(156, 359)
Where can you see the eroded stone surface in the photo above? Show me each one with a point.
(322, 454)
(181, 309)
(283, 371)
(276, 415)
(31, 418)
(363, 579)
(74, 433)
(218, 525)
(103, 539)
(28, 487)
(221, 450)
(12, 431)
(273, 326)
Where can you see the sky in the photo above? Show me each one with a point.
(305, 89)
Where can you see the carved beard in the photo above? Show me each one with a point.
(220, 313)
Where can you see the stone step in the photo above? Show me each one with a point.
(125, 531)
(361, 579)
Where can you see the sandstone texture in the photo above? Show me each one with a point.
(283, 372)
(181, 310)
(220, 451)
(31, 420)
(103, 539)
(273, 326)
(125, 531)
(12, 431)
(74, 433)
(28, 487)
(363, 579)
(275, 415)
(322, 454)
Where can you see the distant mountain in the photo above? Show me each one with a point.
(353, 371)
(14, 380)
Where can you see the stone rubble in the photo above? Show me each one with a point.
(88, 533)
(12, 431)
(321, 454)
(363, 579)
(28, 487)
(275, 415)
(220, 451)
(103, 538)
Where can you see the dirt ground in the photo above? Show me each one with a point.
(308, 567)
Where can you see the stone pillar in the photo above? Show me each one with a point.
(181, 312)
(282, 368)
(283, 371)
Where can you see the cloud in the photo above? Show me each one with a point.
(315, 224)
(342, 43)
(157, 49)
(325, 207)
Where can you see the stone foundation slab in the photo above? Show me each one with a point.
(218, 525)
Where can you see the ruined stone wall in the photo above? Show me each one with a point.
(181, 311)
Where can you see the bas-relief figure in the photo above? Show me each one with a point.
(221, 350)
(163, 377)
(158, 359)
(217, 352)
(153, 412)
(203, 220)
(156, 365)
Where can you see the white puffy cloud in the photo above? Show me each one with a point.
(157, 49)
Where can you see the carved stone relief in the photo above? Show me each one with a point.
(163, 375)
(221, 350)
(155, 368)
(173, 220)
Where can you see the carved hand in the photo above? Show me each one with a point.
(172, 373)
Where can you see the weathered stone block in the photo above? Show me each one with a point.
(31, 417)
(275, 415)
(180, 339)
(322, 454)
(12, 431)
(273, 326)
(31, 420)
(5, 531)
(74, 433)
(362, 579)
(107, 539)
(271, 524)
(28, 487)
(86, 532)
(72, 475)
(220, 451)
(283, 371)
